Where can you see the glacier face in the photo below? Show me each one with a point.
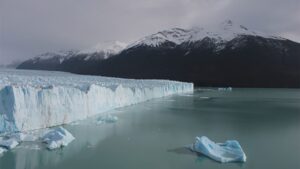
(39, 99)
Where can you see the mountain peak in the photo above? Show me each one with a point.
(222, 32)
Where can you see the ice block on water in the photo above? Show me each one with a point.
(107, 119)
(57, 138)
(2, 150)
(230, 151)
(9, 143)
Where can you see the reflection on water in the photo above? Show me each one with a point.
(153, 134)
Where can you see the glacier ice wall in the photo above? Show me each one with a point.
(39, 99)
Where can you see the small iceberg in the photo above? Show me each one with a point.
(2, 150)
(54, 138)
(204, 97)
(225, 89)
(57, 138)
(230, 151)
(22, 137)
(107, 119)
(9, 143)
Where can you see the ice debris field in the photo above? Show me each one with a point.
(31, 100)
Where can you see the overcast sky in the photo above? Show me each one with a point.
(29, 27)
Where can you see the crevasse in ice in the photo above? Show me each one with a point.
(39, 99)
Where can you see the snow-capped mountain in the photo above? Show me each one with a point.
(103, 50)
(228, 54)
(100, 51)
(59, 56)
(220, 34)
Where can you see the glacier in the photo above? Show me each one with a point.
(32, 100)
(230, 151)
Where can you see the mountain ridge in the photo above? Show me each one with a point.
(233, 56)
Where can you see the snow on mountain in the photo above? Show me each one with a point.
(60, 55)
(39, 99)
(223, 32)
(107, 49)
(100, 51)
(220, 34)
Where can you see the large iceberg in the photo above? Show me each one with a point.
(39, 99)
(8, 143)
(57, 138)
(230, 151)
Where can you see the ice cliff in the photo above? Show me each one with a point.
(39, 99)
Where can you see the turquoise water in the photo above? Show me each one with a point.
(152, 135)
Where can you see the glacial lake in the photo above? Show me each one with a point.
(152, 135)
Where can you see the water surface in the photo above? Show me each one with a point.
(151, 135)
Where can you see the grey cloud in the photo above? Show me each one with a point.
(28, 27)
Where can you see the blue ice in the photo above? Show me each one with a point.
(230, 151)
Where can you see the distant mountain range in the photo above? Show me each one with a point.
(13, 64)
(226, 55)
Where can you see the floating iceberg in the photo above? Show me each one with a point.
(2, 150)
(57, 138)
(230, 151)
(205, 97)
(107, 119)
(32, 100)
(9, 143)
(54, 138)
(225, 89)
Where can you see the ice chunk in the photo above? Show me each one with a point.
(30, 146)
(30, 138)
(57, 138)
(9, 143)
(22, 136)
(230, 151)
(107, 119)
(204, 97)
(32, 100)
(2, 150)
(225, 89)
